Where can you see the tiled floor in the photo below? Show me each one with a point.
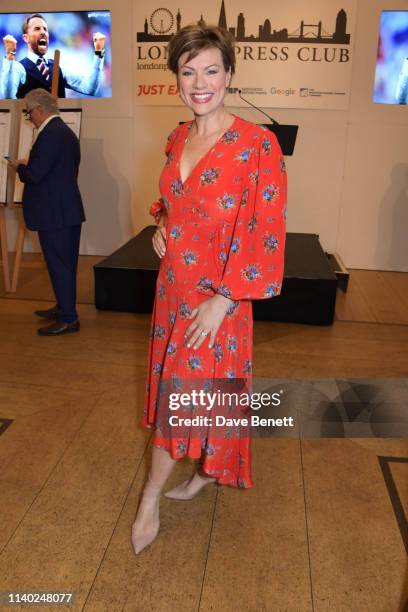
(320, 530)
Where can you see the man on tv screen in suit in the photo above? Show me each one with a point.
(52, 205)
(17, 78)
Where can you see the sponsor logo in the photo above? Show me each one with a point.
(276, 91)
(253, 91)
(157, 90)
(308, 92)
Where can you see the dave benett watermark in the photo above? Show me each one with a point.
(254, 420)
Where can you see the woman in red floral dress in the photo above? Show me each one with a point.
(221, 243)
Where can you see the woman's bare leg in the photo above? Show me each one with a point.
(146, 525)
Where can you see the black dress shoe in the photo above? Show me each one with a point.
(58, 328)
(51, 314)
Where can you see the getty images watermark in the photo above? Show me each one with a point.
(283, 408)
(233, 402)
(221, 408)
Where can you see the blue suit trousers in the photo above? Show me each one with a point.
(61, 250)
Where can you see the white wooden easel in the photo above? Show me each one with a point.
(4, 249)
(18, 249)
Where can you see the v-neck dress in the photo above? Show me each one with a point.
(225, 228)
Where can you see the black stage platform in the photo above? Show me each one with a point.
(125, 281)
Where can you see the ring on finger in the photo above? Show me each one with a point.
(204, 333)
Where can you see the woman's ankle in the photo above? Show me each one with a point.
(203, 475)
(151, 490)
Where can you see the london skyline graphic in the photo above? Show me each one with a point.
(163, 25)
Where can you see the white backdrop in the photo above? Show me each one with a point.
(296, 54)
(348, 179)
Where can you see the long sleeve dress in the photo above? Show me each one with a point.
(225, 228)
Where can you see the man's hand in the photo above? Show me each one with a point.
(99, 42)
(14, 163)
(10, 45)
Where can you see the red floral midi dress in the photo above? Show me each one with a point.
(225, 233)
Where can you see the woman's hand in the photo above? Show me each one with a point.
(159, 241)
(208, 317)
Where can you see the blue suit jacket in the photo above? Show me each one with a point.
(51, 197)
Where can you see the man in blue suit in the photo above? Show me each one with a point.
(52, 205)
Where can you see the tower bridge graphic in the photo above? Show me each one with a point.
(162, 25)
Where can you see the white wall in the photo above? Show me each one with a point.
(373, 220)
(348, 177)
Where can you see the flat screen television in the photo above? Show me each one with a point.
(391, 74)
(28, 42)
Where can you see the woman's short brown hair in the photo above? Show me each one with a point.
(193, 39)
